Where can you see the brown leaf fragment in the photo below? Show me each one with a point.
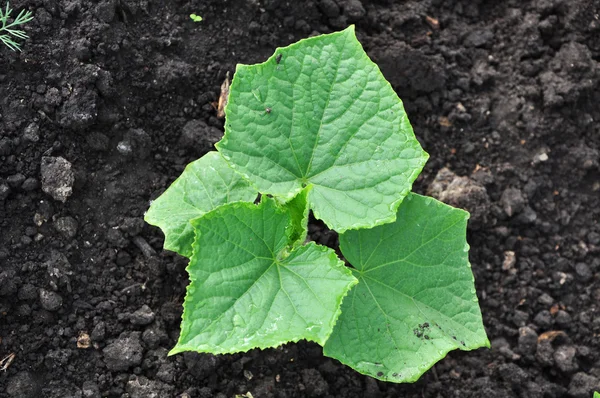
(6, 361)
(551, 335)
(223, 97)
(433, 22)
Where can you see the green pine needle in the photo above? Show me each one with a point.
(7, 31)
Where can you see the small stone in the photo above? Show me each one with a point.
(57, 177)
(583, 272)
(4, 191)
(90, 390)
(563, 319)
(527, 340)
(15, 180)
(30, 184)
(141, 387)
(478, 38)
(546, 300)
(329, 8)
(464, 193)
(512, 201)
(582, 385)
(99, 332)
(140, 143)
(32, 133)
(353, 9)
(520, 318)
(143, 316)
(564, 358)
(5, 147)
(132, 225)
(49, 300)
(545, 353)
(509, 260)
(115, 237)
(512, 373)
(123, 353)
(67, 226)
(543, 319)
(125, 148)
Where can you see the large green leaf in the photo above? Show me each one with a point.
(203, 186)
(248, 290)
(320, 113)
(415, 299)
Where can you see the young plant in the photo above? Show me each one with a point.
(318, 128)
(8, 31)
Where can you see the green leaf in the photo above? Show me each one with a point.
(195, 18)
(596, 394)
(246, 293)
(204, 185)
(320, 113)
(298, 208)
(415, 300)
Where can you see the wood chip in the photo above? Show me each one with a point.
(6, 361)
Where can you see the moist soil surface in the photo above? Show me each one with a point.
(110, 99)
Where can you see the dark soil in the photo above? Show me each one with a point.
(93, 117)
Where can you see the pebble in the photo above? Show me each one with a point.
(57, 177)
(564, 358)
(32, 133)
(520, 318)
(123, 353)
(545, 353)
(512, 201)
(582, 385)
(15, 180)
(527, 340)
(563, 319)
(353, 9)
(583, 272)
(67, 226)
(478, 38)
(5, 147)
(50, 301)
(141, 387)
(143, 316)
(546, 300)
(30, 184)
(329, 8)
(4, 191)
(90, 390)
(543, 319)
(99, 331)
(512, 373)
(462, 192)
